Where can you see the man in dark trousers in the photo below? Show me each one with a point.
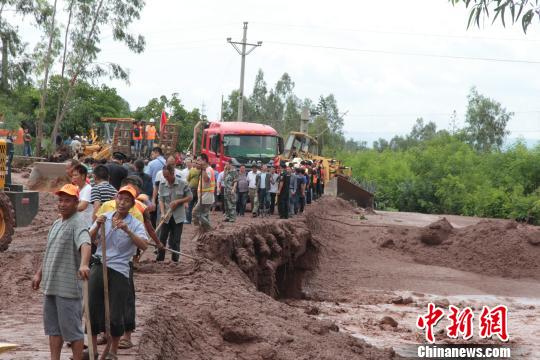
(283, 192)
(174, 194)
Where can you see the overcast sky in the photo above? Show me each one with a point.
(383, 92)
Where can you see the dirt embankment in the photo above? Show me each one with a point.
(224, 308)
(273, 254)
(495, 247)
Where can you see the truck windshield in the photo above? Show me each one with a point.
(250, 146)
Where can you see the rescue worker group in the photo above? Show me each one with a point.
(128, 202)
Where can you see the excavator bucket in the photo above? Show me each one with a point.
(348, 189)
(47, 176)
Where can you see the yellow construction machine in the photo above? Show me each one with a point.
(17, 206)
(338, 178)
(112, 135)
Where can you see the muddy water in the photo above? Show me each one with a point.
(363, 320)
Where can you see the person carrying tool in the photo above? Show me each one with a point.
(207, 186)
(230, 180)
(140, 211)
(174, 193)
(123, 235)
(66, 260)
(150, 136)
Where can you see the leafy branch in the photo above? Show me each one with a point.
(501, 9)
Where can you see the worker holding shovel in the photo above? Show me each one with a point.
(174, 194)
(122, 234)
(66, 256)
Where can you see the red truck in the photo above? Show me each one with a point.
(246, 143)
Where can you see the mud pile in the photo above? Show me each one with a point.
(494, 247)
(224, 307)
(436, 233)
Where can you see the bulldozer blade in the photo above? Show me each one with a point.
(47, 176)
(345, 188)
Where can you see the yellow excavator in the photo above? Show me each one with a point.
(338, 178)
(113, 135)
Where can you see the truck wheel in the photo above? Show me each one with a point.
(7, 221)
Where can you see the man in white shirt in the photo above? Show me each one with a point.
(76, 146)
(263, 186)
(252, 184)
(185, 171)
(78, 178)
(274, 184)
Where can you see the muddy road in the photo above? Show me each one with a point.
(315, 287)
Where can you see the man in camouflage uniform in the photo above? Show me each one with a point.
(230, 178)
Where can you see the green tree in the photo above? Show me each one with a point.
(486, 121)
(16, 64)
(86, 22)
(258, 99)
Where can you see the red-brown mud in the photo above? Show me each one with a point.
(224, 309)
(294, 289)
(495, 247)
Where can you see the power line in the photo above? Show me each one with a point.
(430, 114)
(392, 52)
(400, 33)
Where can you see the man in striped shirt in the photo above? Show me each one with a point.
(102, 191)
(65, 261)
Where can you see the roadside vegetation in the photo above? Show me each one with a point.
(464, 171)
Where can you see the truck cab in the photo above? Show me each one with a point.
(246, 143)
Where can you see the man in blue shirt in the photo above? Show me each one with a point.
(123, 234)
(156, 164)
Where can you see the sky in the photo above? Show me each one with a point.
(386, 62)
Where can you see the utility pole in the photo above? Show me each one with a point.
(221, 112)
(243, 53)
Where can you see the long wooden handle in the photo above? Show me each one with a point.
(105, 291)
(87, 320)
(163, 218)
(175, 252)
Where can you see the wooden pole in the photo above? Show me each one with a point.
(87, 320)
(105, 292)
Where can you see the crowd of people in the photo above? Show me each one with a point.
(112, 209)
